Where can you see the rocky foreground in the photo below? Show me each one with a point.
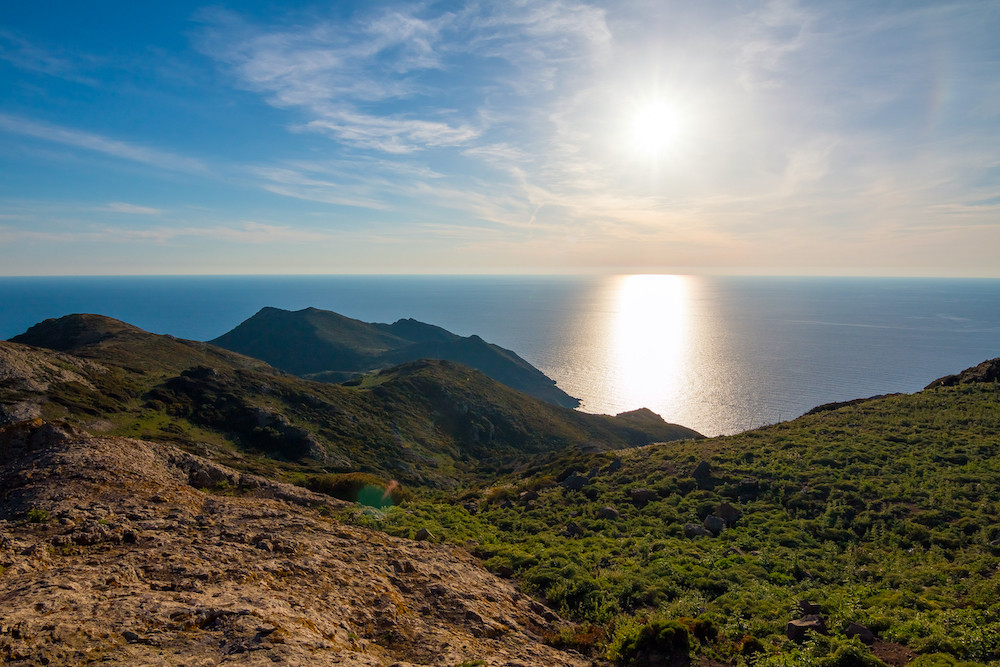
(131, 552)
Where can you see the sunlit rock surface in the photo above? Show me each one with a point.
(111, 552)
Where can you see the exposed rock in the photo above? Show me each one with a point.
(809, 608)
(694, 530)
(608, 513)
(259, 578)
(574, 482)
(702, 471)
(862, 632)
(642, 497)
(423, 535)
(614, 466)
(988, 371)
(798, 629)
(527, 496)
(727, 513)
(714, 524)
(573, 529)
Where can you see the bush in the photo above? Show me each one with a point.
(849, 655)
(36, 515)
(658, 641)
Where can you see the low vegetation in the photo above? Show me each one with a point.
(883, 512)
(874, 521)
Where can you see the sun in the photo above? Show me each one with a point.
(654, 128)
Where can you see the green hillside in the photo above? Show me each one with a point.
(428, 422)
(883, 512)
(323, 345)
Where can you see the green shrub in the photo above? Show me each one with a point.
(850, 655)
(938, 660)
(655, 642)
(36, 515)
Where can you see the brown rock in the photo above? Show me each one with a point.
(642, 497)
(727, 513)
(798, 629)
(864, 634)
(608, 513)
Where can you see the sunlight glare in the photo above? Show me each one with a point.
(654, 128)
(651, 337)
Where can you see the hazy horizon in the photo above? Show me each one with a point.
(781, 137)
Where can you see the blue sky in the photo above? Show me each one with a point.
(725, 137)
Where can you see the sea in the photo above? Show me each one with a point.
(717, 354)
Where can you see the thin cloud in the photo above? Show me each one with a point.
(132, 209)
(248, 232)
(25, 55)
(392, 135)
(346, 78)
(101, 144)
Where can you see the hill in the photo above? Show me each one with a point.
(881, 514)
(326, 346)
(428, 422)
(863, 533)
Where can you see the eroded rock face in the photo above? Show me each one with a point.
(26, 376)
(111, 553)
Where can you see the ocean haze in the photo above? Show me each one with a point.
(719, 355)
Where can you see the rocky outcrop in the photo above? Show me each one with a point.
(131, 552)
(25, 377)
(988, 371)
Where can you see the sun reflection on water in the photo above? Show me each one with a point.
(651, 334)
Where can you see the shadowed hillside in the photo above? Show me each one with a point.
(322, 345)
(427, 422)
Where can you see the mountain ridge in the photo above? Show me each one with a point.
(326, 346)
(424, 422)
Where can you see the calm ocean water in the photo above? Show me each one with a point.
(719, 355)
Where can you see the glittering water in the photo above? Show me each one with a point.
(717, 354)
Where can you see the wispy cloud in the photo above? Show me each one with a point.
(122, 207)
(26, 55)
(347, 79)
(244, 232)
(101, 144)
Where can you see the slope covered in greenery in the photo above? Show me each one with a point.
(428, 422)
(883, 512)
(323, 345)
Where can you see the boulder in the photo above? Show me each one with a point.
(728, 513)
(807, 608)
(702, 471)
(798, 629)
(608, 513)
(642, 497)
(527, 496)
(614, 466)
(861, 632)
(692, 530)
(714, 524)
(573, 529)
(574, 482)
(423, 535)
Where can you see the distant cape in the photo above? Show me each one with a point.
(326, 346)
